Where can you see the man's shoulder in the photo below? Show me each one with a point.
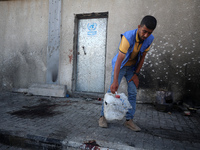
(150, 38)
(130, 35)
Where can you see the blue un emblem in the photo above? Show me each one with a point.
(92, 29)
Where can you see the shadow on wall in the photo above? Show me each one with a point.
(184, 80)
(54, 75)
(11, 72)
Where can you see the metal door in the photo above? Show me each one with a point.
(91, 47)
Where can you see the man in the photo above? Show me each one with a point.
(128, 62)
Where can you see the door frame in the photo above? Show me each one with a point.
(75, 42)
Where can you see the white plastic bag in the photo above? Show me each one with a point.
(115, 108)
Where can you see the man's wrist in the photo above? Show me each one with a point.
(137, 73)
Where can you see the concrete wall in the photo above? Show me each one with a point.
(173, 61)
(23, 42)
(174, 57)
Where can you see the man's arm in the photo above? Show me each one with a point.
(135, 77)
(141, 62)
(114, 86)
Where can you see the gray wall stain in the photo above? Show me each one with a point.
(53, 50)
(23, 43)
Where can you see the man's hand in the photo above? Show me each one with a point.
(114, 87)
(135, 79)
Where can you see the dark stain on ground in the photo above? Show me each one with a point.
(38, 111)
(44, 109)
(44, 100)
(92, 145)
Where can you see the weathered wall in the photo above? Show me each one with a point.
(173, 62)
(23, 32)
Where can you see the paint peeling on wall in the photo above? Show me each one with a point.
(70, 56)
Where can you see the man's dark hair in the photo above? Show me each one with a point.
(149, 21)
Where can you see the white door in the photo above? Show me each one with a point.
(91, 50)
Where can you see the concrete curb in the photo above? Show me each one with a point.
(39, 142)
(29, 141)
(106, 146)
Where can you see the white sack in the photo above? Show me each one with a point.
(115, 108)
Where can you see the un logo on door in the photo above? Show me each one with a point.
(92, 29)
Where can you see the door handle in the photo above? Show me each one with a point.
(84, 50)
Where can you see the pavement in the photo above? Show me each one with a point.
(39, 122)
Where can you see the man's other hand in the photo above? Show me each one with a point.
(135, 79)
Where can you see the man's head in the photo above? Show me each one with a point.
(146, 27)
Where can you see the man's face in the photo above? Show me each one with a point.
(143, 32)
